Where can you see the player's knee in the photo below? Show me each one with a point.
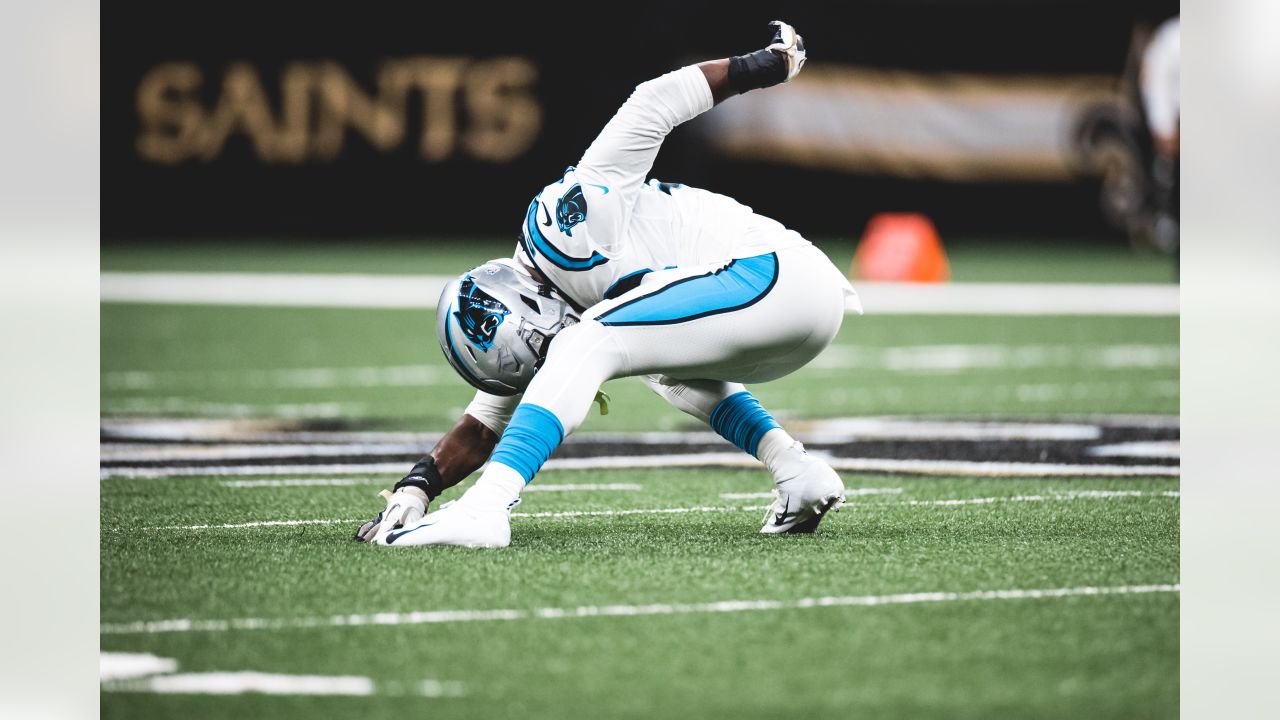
(587, 345)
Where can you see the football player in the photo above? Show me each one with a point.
(616, 276)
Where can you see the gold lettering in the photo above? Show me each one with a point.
(438, 80)
(169, 112)
(344, 104)
(320, 101)
(242, 107)
(504, 115)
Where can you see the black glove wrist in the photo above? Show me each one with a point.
(425, 477)
(760, 69)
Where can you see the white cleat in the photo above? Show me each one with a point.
(805, 491)
(455, 523)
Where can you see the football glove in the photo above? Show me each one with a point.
(405, 506)
(777, 63)
(788, 43)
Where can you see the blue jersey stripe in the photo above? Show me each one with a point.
(538, 243)
(735, 286)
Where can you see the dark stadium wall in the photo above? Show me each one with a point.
(255, 119)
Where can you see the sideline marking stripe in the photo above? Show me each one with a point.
(422, 291)
(148, 627)
(1069, 495)
(726, 460)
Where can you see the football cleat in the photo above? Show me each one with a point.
(455, 523)
(805, 491)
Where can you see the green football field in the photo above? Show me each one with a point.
(1009, 546)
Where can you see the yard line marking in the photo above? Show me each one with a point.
(294, 378)
(147, 627)
(123, 666)
(257, 524)
(118, 431)
(346, 482)
(179, 405)
(239, 683)
(954, 358)
(637, 511)
(147, 673)
(725, 460)
(300, 482)
(1000, 469)
(169, 452)
(1056, 496)
(583, 487)
(848, 492)
(833, 430)
(422, 292)
(1147, 449)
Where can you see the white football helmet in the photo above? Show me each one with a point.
(495, 323)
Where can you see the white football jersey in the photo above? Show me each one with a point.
(597, 230)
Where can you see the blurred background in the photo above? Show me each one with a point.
(1020, 121)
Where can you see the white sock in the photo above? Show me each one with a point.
(496, 489)
(773, 449)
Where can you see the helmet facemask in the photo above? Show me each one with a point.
(495, 325)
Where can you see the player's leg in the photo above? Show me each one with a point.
(581, 358)
(805, 486)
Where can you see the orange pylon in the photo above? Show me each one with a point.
(900, 247)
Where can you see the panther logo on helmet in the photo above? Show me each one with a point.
(479, 314)
(571, 209)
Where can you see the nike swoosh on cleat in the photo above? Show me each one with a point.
(780, 518)
(394, 536)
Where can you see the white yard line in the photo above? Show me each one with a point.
(1000, 469)
(870, 427)
(422, 291)
(293, 378)
(1150, 449)
(833, 430)
(176, 453)
(146, 673)
(957, 358)
(725, 460)
(1055, 496)
(848, 492)
(300, 482)
(590, 611)
(124, 666)
(239, 683)
(346, 482)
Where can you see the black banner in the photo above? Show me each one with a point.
(267, 119)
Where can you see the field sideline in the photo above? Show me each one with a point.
(1009, 545)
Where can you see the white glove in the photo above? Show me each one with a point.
(405, 506)
(788, 43)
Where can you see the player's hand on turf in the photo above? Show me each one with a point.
(788, 43)
(404, 507)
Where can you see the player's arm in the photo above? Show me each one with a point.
(459, 453)
(620, 158)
